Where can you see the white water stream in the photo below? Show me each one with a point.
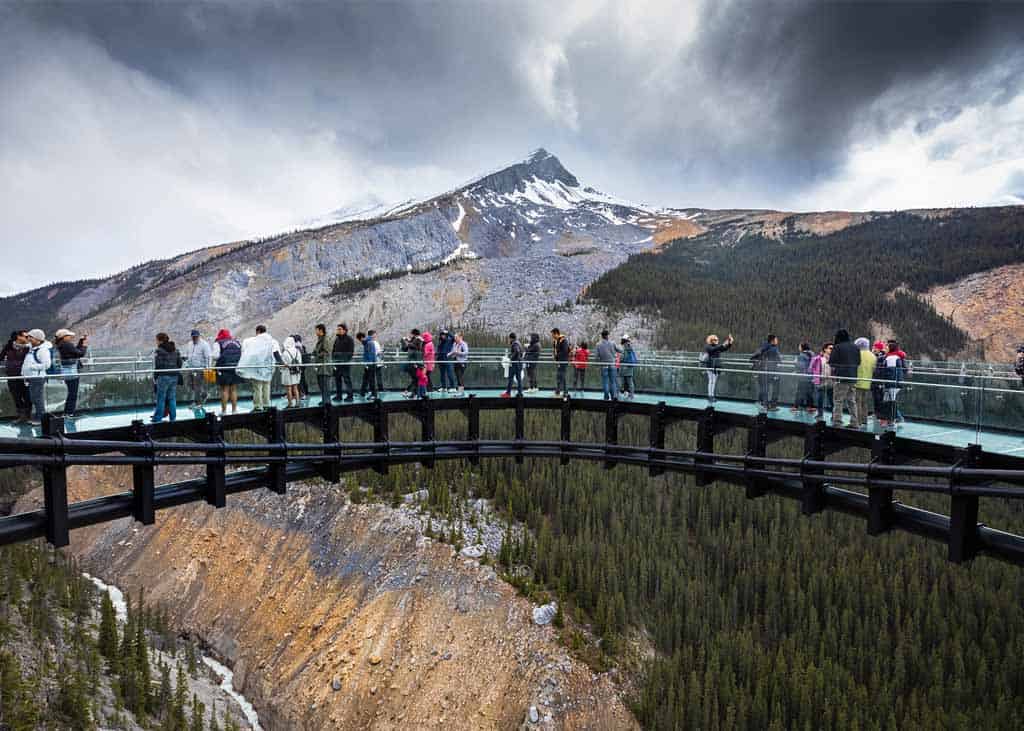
(226, 675)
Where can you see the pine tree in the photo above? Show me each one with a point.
(180, 699)
(198, 712)
(143, 673)
(108, 629)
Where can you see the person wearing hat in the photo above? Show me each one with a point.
(226, 353)
(627, 363)
(13, 356)
(33, 370)
(878, 350)
(198, 358)
(445, 360)
(70, 353)
(862, 388)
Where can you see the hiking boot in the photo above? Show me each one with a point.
(506, 395)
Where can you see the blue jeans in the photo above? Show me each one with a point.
(515, 374)
(36, 394)
(72, 401)
(447, 375)
(609, 382)
(560, 385)
(166, 397)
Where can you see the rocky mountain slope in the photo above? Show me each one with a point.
(336, 615)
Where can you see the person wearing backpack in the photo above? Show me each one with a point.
(34, 369)
(627, 364)
(166, 371)
(710, 358)
(515, 371)
(766, 362)
(291, 371)
(13, 356)
(226, 353)
(532, 357)
(804, 385)
(893, 368)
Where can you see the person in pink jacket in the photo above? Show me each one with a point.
(429, 359)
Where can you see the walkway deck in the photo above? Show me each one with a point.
(996, 442)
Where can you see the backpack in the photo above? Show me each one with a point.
(704, 359)
(631, 358)
(1018, 365)
(54, 369)
(230, 353)
(758, 361)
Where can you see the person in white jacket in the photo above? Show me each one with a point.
(259, 356)
(33, 370)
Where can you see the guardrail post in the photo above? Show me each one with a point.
(216, 494)
(880, 506)
(757, 446)
(473, 424)
(657, 436)
(566, 407)
(55, 485)
(705, 443)
(143, 480)
(329, 470)
(963, 514)
(520, 426)
(380, 436)
(611, 432)
(427, 428)
(278, 472)
(813, 499)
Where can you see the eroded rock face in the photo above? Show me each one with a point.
(989, 306)
(344, 616)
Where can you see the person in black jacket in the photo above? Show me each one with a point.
(843, 362)
(532, 356)
(561, 354)
(166, 372)
(711, 360)
(515, 369)
(69, 352)
(341, 354)
(13, 355)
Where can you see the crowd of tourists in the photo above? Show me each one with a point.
(844, 375)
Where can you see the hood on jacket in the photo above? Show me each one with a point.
(427, 337)
(534, 338)
(842, 336)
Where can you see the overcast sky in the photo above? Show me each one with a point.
(133, 131)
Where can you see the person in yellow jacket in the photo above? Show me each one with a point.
(862, 388)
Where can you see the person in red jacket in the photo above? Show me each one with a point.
(580, 356)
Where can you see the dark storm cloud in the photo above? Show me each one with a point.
(158, 127)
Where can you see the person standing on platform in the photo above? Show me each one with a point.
(804, 385)
(560, 346)
(821, 377)
(322, 356)
(429, 358)
(226, 353)
(711, 359)
(166, 372)
(260, 354)
(198, 357)
(460, 352)
(865, 370)
(342, 353)
(627, 366)
(766, 362)
(532, 357)
(844, 362)
(445, 344)
(303, 385)
(515, 369)
(580, 356)
(606, 352)
(13, 356)
(33, 369)
(69, 353)
(369, 384)
(291, 371)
